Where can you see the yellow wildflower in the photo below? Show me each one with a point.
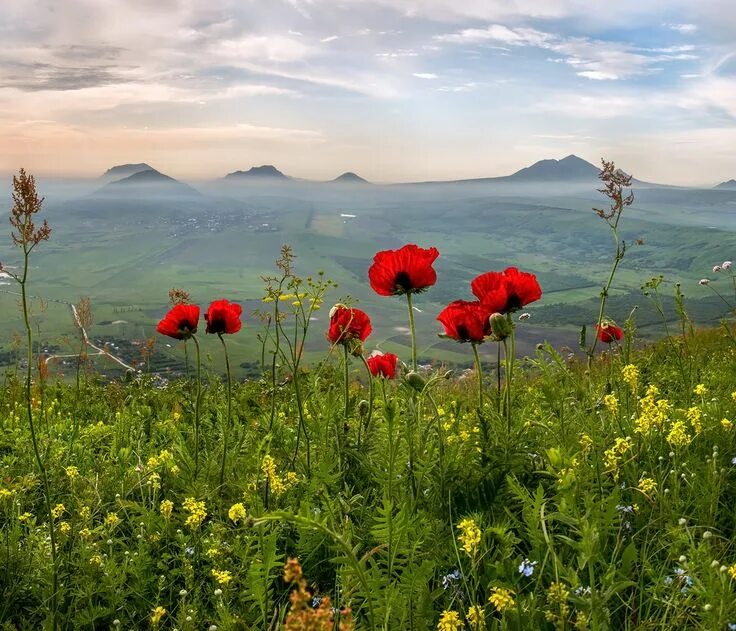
(95, 560)
(613, 455)
(64, 528)
(732, 571)
(701, 390)
(223, 577)
(166, 508)
(695, 416)
(476, 618)
(449, 621)
(558, 609)
(6, 494)
(237, 513)
(469, 536)
(647, 486)
(630, 374)
(85, 533)
(501, 598)
(611, 403)
(197, 512)
(57, 511)
(586, 443)
(678, 437)
(733, 395)
(24, 517)
(84, 513)
(71, 472)
(112, 520)
(726, 424)
(156, 615)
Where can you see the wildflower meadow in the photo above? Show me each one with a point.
(590, 488)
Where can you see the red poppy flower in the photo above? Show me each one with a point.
(608, 332)
(180, 322)
(466, 321)
(348, 325)
(407, 270)
(383, 365)
(507, 292)
(223, 317)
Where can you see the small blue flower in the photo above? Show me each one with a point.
(668, 580)
(624, 509)
(526, 567)
(450, 578)
(189, 550)
(732, 626)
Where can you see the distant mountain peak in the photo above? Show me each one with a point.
(147, 180)
(124, 170)
(728, 184)
(263, 171)
(350, 178)
(570, 167)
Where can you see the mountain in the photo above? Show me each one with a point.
(148, 182)
(350, 178)
(569, 169)
(124, 170)
(728, 185)
(266, 171)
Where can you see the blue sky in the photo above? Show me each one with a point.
(392, 89)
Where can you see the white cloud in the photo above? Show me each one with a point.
(685, 29)
(331, 38)
(424, 75)
(591, 58)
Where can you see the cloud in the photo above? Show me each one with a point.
(685, 29)
(331, 38)
(594, 59)
(424, 75)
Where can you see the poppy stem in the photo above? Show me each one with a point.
(346, 375)
(412, 328)
(196, 408)
(480, 376)
(226, 429)
(370, 393)
(498, 376)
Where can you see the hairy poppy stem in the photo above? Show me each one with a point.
(226, 431)
(346, 375)
(480, 376)
(196, 408)
(370, 393)
(412, 328)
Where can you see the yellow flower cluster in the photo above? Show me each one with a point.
(71, 472)
(84, 513)
(469, 536)
(732, 571)
(156, 615)
(678, 436)
(6, 494)
(501, 598)
(197, 512)
(112, 520)
(558, 609)
(237, 513)
(695, 416)
(653, 412)
(278, 485)
(701, 390)
(614, 454)
(611, 403)
(449, 621)
(630, 374)
(586, 443)
(726, 424)
(57, 511)
(223, 577)
(166, 508)
(647, 486)
(64, 528)
(95, 560)
(476, 618)
(24, 517)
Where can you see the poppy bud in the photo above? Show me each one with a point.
(363, 407)
(416, 381)
(500, 326)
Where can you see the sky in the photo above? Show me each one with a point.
(395, 90)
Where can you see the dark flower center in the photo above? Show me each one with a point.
(513, 303)
(462, 332)
(402, 283)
